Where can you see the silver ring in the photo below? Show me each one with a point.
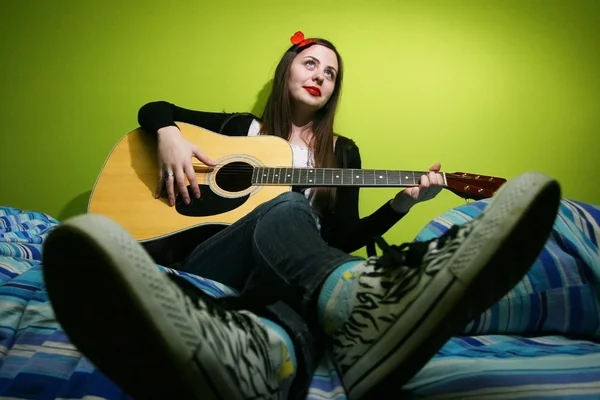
(168, 174)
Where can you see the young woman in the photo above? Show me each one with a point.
(301, 295)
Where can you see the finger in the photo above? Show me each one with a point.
(434, 178)
(159, 184)
(191, 175)
(180, 180)
(203, 157)
(440, 179)
(424, 182)
(170, 189)
(436, 167)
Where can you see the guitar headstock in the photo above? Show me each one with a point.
(473, 186)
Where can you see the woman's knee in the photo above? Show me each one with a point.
(286, 211)
(290, 202)
(292, 197)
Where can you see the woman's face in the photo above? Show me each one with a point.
(312, 76)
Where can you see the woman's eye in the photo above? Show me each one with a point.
(310, 63)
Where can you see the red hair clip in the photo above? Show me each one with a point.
(298, 39)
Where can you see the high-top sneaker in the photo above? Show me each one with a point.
(388, 316)
(150, 334)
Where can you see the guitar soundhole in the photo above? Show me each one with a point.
(235, 177)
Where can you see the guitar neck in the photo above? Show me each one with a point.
(336, 177)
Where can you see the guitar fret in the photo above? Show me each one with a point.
(357, 177)
(393, 178)
(407, 178)
(368, 177)
(347, 177)
(336, 178)
(310, 176)
(380, 177)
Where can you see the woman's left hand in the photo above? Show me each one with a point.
(429, 186)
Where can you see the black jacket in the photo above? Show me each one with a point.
(342, 226)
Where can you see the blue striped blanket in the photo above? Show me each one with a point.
(537, 342)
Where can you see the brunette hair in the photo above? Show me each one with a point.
(276, 118)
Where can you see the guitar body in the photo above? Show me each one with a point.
(124, 190)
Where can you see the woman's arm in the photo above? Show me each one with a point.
(174, 151)
(158, 115)
(344, 228)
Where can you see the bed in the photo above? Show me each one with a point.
(540, 341)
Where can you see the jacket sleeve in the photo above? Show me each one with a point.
(346, 230)
(159, 114)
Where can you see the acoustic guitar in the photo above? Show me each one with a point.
(249, 172)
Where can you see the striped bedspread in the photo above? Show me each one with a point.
(538, 342)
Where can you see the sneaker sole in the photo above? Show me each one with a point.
(117, 308)
(493, 259)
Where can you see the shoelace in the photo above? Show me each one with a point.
(410, 254)
(400, 267)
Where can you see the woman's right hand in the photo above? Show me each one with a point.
(175, 154)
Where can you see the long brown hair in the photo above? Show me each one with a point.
(277, 115)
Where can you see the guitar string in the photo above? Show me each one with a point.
(231, 171)
(234, 168)
(250, 168)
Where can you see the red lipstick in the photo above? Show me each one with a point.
(313, 90)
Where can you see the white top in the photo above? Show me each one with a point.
(302, 157)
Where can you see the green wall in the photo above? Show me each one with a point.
(492, 87)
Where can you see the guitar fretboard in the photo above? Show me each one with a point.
(310, 177)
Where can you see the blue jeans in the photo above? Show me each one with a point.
(275, 253)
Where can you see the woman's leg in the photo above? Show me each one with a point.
(279, 238)
(154, 334)
(277, 259)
